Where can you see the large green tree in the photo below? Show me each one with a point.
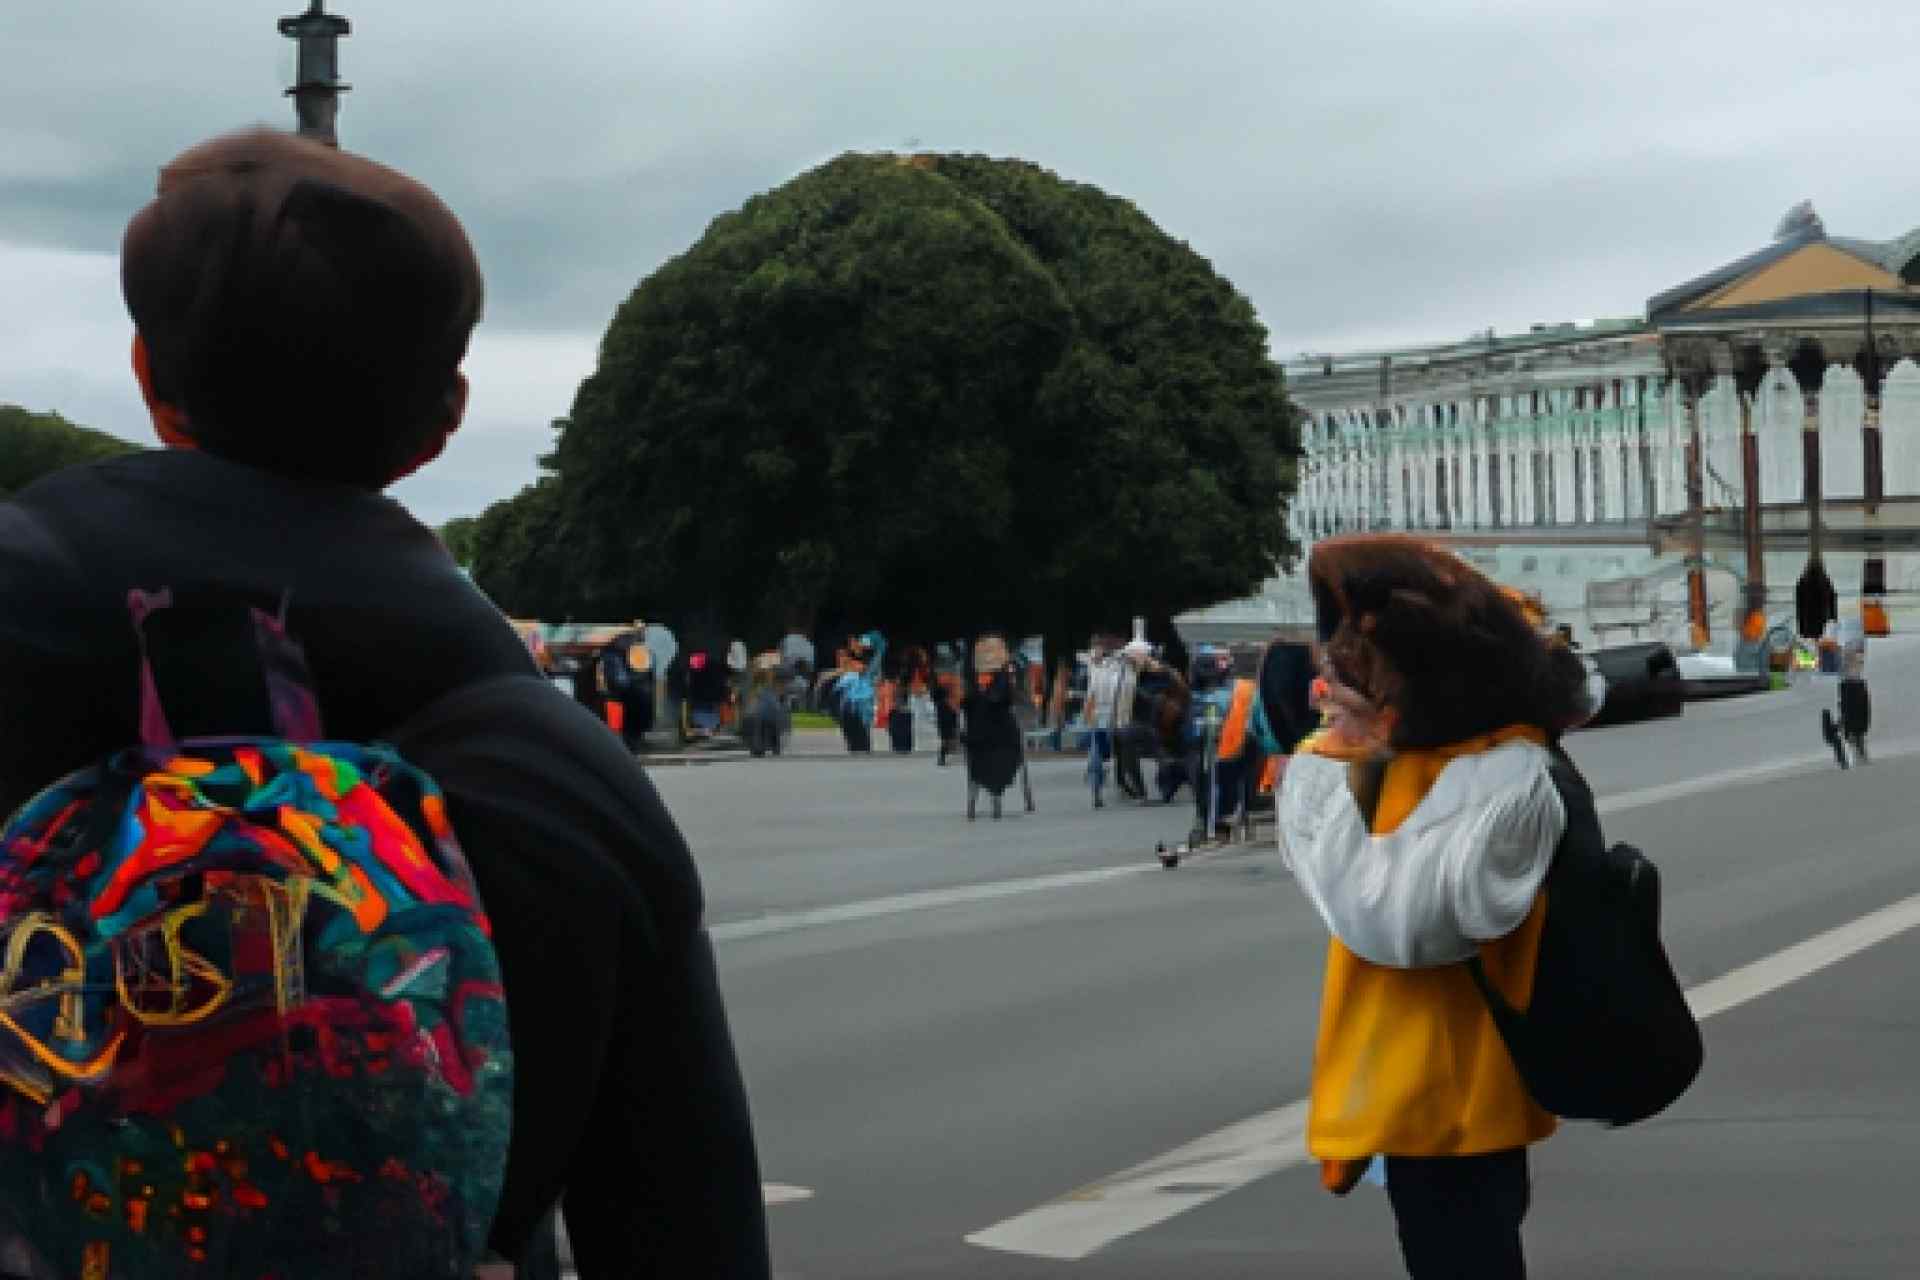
(927, 393)
(32, 444)
(459, 536)
(510, 551)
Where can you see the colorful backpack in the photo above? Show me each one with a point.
(251, 1020)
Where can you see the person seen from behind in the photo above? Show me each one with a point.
(1420, 821)
(300, 316)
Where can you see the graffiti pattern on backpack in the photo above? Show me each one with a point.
(251, 1022)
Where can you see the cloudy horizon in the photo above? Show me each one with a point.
(1379, 173)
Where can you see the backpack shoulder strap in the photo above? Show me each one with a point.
(1488, 992)
(244, 670)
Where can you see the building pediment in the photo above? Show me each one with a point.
(1804, 273)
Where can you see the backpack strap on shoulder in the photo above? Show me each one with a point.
(209, 649)
(154, 729)
(289, 681)
(1496, 1002)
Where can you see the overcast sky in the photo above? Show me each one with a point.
(1366, 172)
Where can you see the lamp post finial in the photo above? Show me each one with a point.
(317, 86)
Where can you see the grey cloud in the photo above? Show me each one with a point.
(1413, 170)
(586, 144)
(478, 468)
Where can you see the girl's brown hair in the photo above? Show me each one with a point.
(1421, 631)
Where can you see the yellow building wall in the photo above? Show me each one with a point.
(1817, 268)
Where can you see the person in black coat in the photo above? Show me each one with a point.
(301, 314)
(995, 748)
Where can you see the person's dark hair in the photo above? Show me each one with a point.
(305, 309)
(1418, 629)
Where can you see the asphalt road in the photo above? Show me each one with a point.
(1028, 1033)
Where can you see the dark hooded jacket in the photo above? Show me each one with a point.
(992, 733)
(628, 1096)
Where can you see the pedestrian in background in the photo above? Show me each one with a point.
(1847, 731)
(1106, 672)
(1420, 821)
(946, 694)
(1135, 654)
(995, 750)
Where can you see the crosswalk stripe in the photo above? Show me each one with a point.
(1146, 1195)
(1078, 1223)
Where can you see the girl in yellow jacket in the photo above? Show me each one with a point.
(1420, 821)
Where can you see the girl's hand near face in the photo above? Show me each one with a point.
(1353, 721)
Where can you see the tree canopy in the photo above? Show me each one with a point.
(458, 536)
(929, 393)
(32, 444)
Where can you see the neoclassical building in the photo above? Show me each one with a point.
(1760, 415)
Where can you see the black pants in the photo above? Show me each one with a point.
(1459, 1216)
(855, 729)
(1856, 709)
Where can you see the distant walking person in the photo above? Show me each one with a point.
(1420, 821)
(1847, 733)
(1127, 730)
(623, 670)
(946, 692)
(856, 692)
(1106, 676)
(996, 752)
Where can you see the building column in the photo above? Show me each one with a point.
(1614, 453)
(1633, 442)
(1566, 502)
(1690, 387)
(1482, 515)
(1755, 545)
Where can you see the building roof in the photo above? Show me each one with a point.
(1799, 230)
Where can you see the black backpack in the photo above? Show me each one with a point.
(1608, 1034)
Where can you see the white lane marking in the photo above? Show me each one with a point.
(772, 1193)
(1770, 973)
(1745, 775)
(1070, 1228)
(869, 908)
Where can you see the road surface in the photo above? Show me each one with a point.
(1024, 1049)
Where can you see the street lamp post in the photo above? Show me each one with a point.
(316, 84)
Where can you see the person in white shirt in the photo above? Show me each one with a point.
(1106, 673)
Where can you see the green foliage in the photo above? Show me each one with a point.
(511, 552)
(458, 536)
(33, 444)
(930, 394)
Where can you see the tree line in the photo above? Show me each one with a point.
(33, 444)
